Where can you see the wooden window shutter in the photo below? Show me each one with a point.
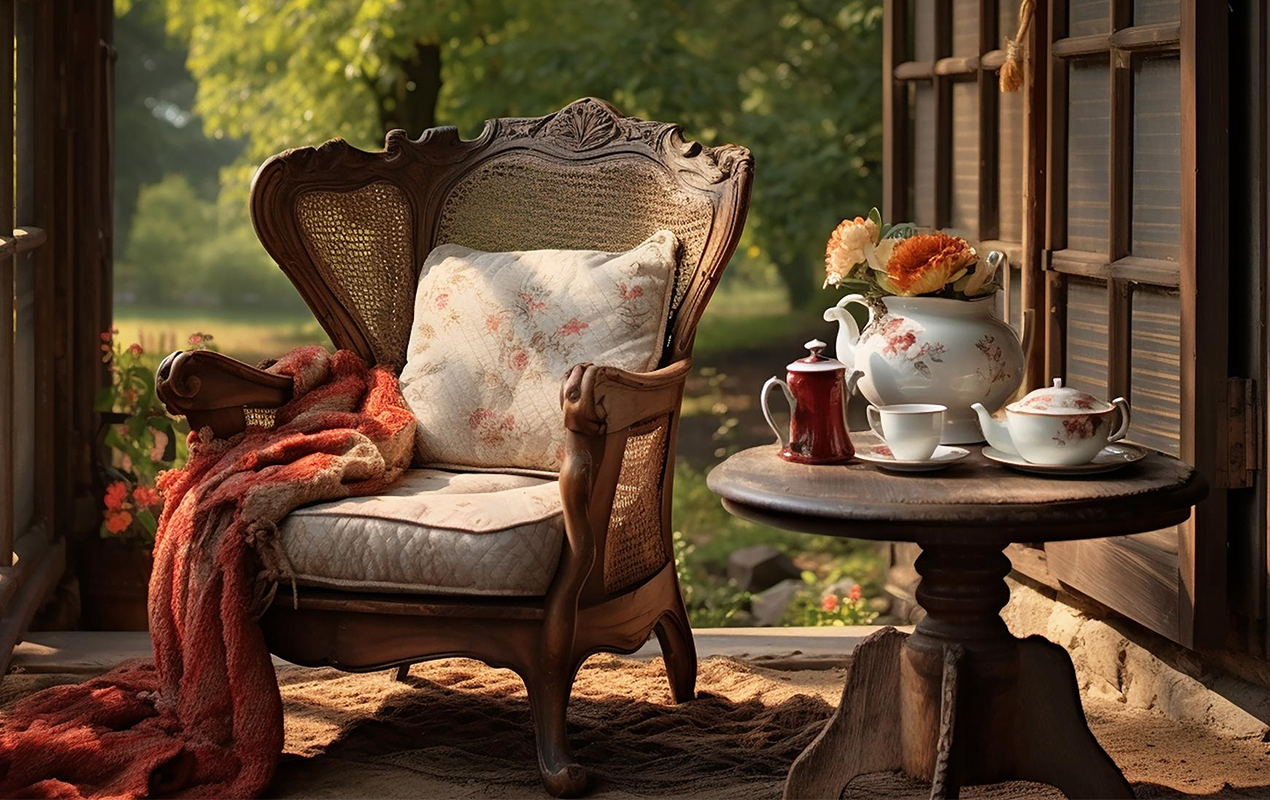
(1095, 178)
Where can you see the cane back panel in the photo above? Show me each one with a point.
(351, 228)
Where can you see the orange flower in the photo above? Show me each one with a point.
(924, 264)
(829, 603)
(118, 521)
(855, 594)
(116, 493)
(145, 496)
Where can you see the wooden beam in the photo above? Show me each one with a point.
(8, 497)
(988, 94)
(1035, 176)
(943, 118)
(895, 124)
(1204, 297)
(912, 70)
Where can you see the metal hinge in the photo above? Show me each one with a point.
(1241, 427)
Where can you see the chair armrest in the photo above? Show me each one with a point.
(211, 390)
(599, 400)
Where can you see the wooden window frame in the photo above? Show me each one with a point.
(56, 208)
(1177, 588)
(901, 72)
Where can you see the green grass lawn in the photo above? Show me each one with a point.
(246, 334)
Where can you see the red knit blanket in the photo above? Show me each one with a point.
(205, 719)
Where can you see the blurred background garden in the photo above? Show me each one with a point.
(207, 90)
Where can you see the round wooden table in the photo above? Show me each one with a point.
(960, 701)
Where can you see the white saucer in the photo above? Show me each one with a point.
(880, 455)
(1111, 457)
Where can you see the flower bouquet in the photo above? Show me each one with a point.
(864, 257)
(930, 336)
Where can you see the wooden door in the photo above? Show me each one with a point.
(1106, 177)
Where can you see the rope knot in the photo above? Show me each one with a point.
(1010, 76)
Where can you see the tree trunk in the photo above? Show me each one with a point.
(410, 101)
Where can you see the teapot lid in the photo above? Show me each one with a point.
(815, 362)
(1059, 399)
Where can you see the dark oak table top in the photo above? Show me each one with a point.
(972, 502)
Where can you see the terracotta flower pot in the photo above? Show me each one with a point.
(114, 579)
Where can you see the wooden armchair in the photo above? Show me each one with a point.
(350, 229)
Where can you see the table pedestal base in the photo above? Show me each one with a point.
(960, 701)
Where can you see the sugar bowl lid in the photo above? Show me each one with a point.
(815, 362)
(1059, 399)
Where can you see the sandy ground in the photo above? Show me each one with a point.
(456, 728)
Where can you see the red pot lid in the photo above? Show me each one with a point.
(815, 362)
(1061, 400)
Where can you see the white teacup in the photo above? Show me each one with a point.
(911, 430)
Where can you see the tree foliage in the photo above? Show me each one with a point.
(181, 252)
(797, 81)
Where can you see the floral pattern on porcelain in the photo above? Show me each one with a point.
(899, 337)
(1078, 427)
(998, 369)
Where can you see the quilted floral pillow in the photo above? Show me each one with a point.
(494, 334)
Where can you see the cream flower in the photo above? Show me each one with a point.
(846, 248)
(984, 272)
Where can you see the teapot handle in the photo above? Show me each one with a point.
(1029, 332)
(767, 413)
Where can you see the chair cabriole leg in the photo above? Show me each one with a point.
(548, 688)
(678, 650)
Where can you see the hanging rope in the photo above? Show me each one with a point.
(1011, 73)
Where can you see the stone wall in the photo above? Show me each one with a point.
(1120, 661)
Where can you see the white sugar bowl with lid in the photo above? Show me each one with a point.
(1057, 425)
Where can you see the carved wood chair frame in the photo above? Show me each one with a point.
(544, 639)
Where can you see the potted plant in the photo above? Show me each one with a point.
(140, 441)
(931, 335)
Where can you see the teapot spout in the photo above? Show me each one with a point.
(997, 434)
(848, 329)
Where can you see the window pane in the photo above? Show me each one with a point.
(1010, 134)
(1088, 17)
(1007, 20)
(1157, 158)
(924, 30)
(965, 27)
(24, 396)
(1146, 12)
(1088, 154)
(1087, 336)
(965, 175)
(923, 160)
(1156, 388)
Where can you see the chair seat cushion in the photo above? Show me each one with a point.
(495, 333)
(435, 532)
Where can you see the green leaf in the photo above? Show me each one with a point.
(147, 521)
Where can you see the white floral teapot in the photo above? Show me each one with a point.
(933, 350)
(1056, 425)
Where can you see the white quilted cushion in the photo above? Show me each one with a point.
(436, 532)
(494, 334)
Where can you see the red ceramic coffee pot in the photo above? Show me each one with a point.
(818, 390)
